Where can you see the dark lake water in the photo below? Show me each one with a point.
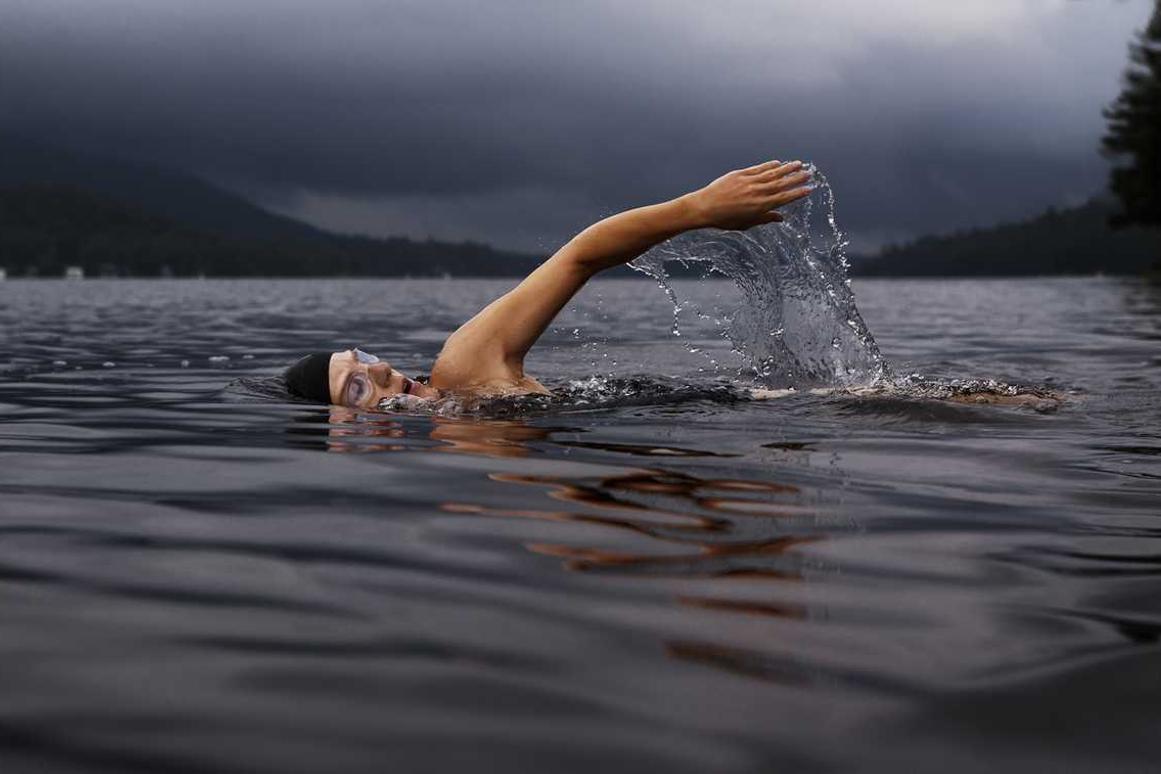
(197, 578)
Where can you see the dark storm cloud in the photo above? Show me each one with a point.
(517, 121)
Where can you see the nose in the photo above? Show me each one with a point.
(380, 374)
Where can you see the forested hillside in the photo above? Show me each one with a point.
(44, 229)
(1071, 241)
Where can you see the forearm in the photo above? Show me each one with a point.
(737, 200)
(621, 238)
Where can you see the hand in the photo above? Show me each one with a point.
(748, 197)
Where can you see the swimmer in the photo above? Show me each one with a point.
(485, 355)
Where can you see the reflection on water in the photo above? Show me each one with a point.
(203, 578)
(671, 507)
(690, 521)
(677, 513)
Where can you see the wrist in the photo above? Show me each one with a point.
(691, 211)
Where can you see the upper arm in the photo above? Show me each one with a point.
(500, 335)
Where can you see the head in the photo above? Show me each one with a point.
(350, 378)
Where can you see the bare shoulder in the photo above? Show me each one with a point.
(466, 357)
(471, 364)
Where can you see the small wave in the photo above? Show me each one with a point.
(260, 388)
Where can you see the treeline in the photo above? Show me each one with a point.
(46, 228)
(1133, 140)
(1070, 241)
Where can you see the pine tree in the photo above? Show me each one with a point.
(1134, 132)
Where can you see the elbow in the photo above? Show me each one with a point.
(579, 259)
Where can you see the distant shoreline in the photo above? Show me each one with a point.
(62, 211)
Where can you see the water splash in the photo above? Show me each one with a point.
(795, 324)
(911, 395)
(597, 393)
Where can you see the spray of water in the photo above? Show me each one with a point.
(795, 322)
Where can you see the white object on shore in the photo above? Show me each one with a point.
(74, 273)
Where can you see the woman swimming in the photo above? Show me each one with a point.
(485, 355)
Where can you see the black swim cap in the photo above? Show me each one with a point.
(310, 377)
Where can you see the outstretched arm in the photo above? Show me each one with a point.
(494, 342)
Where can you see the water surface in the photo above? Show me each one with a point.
(199, 577)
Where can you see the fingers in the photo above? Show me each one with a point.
(774, 169)
(765, 166)
(787, 183)
(785, 175)
(786, 197)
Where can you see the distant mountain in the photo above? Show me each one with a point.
(1069, 241)
(174, 195)
(45, 229)
(59, 209)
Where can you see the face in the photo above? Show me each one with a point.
(360, 380)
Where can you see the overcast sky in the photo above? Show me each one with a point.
(519, 121)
